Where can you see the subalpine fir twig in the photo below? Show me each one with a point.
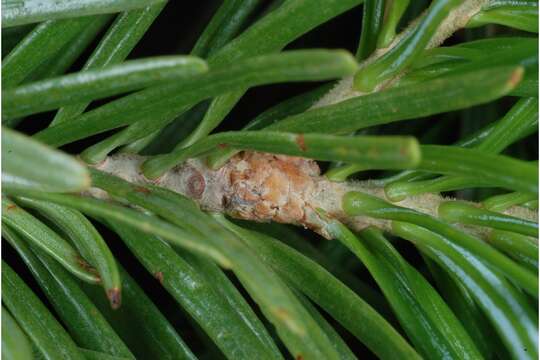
(266, 187)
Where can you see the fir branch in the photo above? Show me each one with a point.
(265, 187)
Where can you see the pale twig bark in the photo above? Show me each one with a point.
(264, 187)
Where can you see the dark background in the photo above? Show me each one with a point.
(174, 32)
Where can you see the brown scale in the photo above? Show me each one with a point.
(266, 187)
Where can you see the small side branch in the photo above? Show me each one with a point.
(457, 19)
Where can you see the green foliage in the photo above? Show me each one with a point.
(147, 274)
(456, 211)
(91, 85)
(150, 109)
(203, 296)
(84, 323)
(46, 334)
(356, 203)
(47, 239)
(42, 44)
(407, 50)
(86, 239)
(25, 159)
(15, 344)
(405, 102)
(308, 277)
(509, 311)
(522, 15)
(126, 31)
(421, 311)
(378, 152)
(18, 12)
